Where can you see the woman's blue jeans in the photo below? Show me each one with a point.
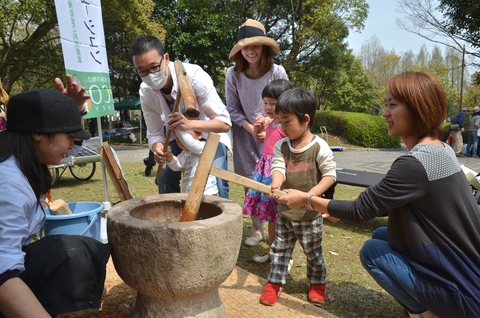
(391, 270)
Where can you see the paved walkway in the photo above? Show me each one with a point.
(372, 160)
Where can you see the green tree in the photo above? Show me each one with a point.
(407, 61)
(307, 26)
(355, 92)
(122, 22)
(203, 32)
(472, 94)
(30, 49)
(445, 23)
(423, 57)
(380, 65)
(311, 35)
(463, 19)
(342, 85)
(28, 40)
(199, 31)
(453, 60)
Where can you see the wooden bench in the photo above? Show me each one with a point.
(358, 178)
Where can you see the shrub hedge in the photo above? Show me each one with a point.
(446, 131)
(359, 129)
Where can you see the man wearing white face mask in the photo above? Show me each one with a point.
(158, 91)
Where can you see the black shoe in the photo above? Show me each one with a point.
(148, 170)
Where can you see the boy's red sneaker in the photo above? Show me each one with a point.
(317, 293)
(270, 294)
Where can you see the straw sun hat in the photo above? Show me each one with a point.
(252, 33)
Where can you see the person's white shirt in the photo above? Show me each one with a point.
(188, 161)
(154, 104)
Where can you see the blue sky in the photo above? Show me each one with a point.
(381, 22)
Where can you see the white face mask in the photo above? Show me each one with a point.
(156, 80)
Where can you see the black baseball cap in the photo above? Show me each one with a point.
(45, 111)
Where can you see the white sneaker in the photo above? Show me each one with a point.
(290, 264)
(254, 239)
(261, 259)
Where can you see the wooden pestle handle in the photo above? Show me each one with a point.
(246, 182)
(169, 133)
(194, 197)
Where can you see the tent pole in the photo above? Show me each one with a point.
(106, 204)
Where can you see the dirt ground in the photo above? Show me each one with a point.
(239, 294)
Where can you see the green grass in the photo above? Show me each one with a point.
(351, 291)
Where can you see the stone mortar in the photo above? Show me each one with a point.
(175, 267)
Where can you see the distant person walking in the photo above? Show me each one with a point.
(459, 120)
(473, 126)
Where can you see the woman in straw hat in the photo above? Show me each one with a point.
(254, 68)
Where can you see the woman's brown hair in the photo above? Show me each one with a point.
(426, 101)
(266, 61)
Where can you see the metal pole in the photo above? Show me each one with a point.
(461, 81)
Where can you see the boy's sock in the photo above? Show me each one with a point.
(317, 293)
(270, 294)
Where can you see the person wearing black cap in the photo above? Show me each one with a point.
(459, 120)
(58, 273)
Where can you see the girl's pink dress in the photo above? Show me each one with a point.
(256, 203)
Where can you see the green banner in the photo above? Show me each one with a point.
(85, 54)
(99, 89)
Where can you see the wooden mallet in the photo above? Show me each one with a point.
(194, 197)
(189, 101)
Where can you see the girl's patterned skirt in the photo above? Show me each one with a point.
(256, 203)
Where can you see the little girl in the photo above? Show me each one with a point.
(257, 204)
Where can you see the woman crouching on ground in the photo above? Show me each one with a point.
(427, 257)
(58, 273)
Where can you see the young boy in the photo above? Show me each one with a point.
(192, 145)
(301, 161)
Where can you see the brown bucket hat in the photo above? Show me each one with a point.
(252, 33)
